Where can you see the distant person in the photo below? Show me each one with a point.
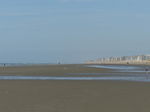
(146, 70)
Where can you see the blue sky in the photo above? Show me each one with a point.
(72, 31)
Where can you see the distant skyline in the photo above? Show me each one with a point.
(72, 31)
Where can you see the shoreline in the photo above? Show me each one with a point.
(70, 95)
(120, 62)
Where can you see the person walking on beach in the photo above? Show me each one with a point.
(146, 70)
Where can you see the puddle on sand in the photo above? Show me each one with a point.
(119, 78)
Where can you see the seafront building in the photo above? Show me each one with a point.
(136, 58)
(126, 58)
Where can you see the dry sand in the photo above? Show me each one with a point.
(69, 96)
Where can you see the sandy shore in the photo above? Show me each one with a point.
(48, 70)
(70, 96)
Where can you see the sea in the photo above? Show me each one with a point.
(23, 64)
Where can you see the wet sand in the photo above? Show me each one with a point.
(70, 96)
(49, 70)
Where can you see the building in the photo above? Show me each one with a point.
(125, 58)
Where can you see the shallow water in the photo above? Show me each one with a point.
(121, 68)
(114, 67)
(119, 78)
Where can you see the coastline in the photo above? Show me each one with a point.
(68, 95)
(119, 62)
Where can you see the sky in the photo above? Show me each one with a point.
(72, 31)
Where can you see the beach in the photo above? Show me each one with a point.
(70, 95)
